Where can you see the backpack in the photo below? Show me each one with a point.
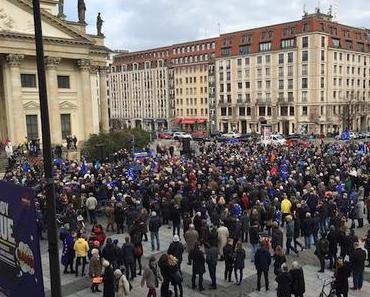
(325, 246)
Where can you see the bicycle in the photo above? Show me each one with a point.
(328, 283)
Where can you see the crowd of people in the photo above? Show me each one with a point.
(226, 196)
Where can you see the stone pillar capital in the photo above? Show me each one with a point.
(52, 62)
(14, 59)
(103, 70)
(84, 64)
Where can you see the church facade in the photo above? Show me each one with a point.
(76, 75)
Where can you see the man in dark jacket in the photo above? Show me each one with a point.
(154, 225)
(128, 257)
(277, 236)
(332, 238)
(176, 219)
(197, 257)
(262, 261)
(254, 239)
(176, 249)
(229, 259)
(109, 252)
(358, 265)
(211, 259)
(322, 249)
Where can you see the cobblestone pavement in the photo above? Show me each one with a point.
(76, 287)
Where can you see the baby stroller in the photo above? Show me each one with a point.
(328, 289)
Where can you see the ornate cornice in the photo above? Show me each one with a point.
(52, 62)
(14, 59)
(103, 70)
(84, 64)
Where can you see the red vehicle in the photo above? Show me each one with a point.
(297, 140)
(165, 135)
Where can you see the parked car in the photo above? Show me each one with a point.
(200, 136)
(246, 137)
(165, 135)
(181, 135)
(346, 135)
(275, 139)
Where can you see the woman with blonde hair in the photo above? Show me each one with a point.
(176, 276)
(298, 284)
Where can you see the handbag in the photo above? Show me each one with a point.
(138, 251)
(97, 280)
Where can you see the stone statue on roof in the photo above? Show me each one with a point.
(99, 24)
(81, 11)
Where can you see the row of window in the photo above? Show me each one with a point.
(191, 111)
(32, 126)
(190, 80)
(29, 81)
(191, 91)
(191, 101)
(194, 48)
(192, 59)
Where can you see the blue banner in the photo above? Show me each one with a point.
(20, 261)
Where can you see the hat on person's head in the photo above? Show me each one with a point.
(176, 238)
(105, 263)
(117, 273)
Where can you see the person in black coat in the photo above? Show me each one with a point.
(119, 218)
(176, 249)
(109, 252)
(229, 259)
(176, 219)
(307, 228)
(108, 280)
(358, 259)
(262, 261)
(254, 239)
(166, 274)
(199, 268)
(342, 273)
(284, 281)
(211, 259)
(298, 286)
(333, 249)
(239, 262)
(128, 258)
(276, 236)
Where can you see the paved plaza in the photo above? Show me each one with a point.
(78, 287)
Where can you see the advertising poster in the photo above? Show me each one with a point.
(266, 132)
(20, 261)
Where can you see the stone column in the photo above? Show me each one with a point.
(86, 104)
(13, 99)
(104, 116)
(51, 64)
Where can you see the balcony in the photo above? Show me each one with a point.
(284, 100)
(263, 101)
(243, 101)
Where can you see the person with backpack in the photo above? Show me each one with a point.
(322, 249)
(154, 225)
(122, 284)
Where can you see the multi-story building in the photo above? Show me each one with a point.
(139, 90)
(76, 74)
(306, 76)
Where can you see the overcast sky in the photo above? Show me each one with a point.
(144, 24)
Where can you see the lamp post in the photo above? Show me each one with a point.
(47, 154)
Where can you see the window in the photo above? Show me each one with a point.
(349, 44)
(28, 80)
(291, 111)
(240, 85)
(304, 110)
(290, 57)
(259, 84)
(306, 27)
(247, 84)
(322, 82)
(305, 42)
(322, 55)
(304, 69)
(246, 61)
(63, 82)
(287, 43)
(290, 84)
(336, 43)
(65, 120)
(322, 41)
(248, 111)
(281, 84)
(244, 49)
(239, 62)
(304, 56)
(259, 59)
(281, 58)
(304, 83)
(281, 71)
(290, 70)
(268, 84)
(360, 47)
(265, 46)
(241, 111)
(267, 71)
(230, 111)
(228, 87)
(225, 52)
(284, 111)
(259, 72)
(304, 96)
(262, 111)
(223, 111)
(267, 59)
(290, 97)
(32, 127)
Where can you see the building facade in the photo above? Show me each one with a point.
(76, 74)
(306, 76)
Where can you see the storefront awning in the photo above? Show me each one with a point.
(191, 120)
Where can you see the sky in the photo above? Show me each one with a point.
(144, 24)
